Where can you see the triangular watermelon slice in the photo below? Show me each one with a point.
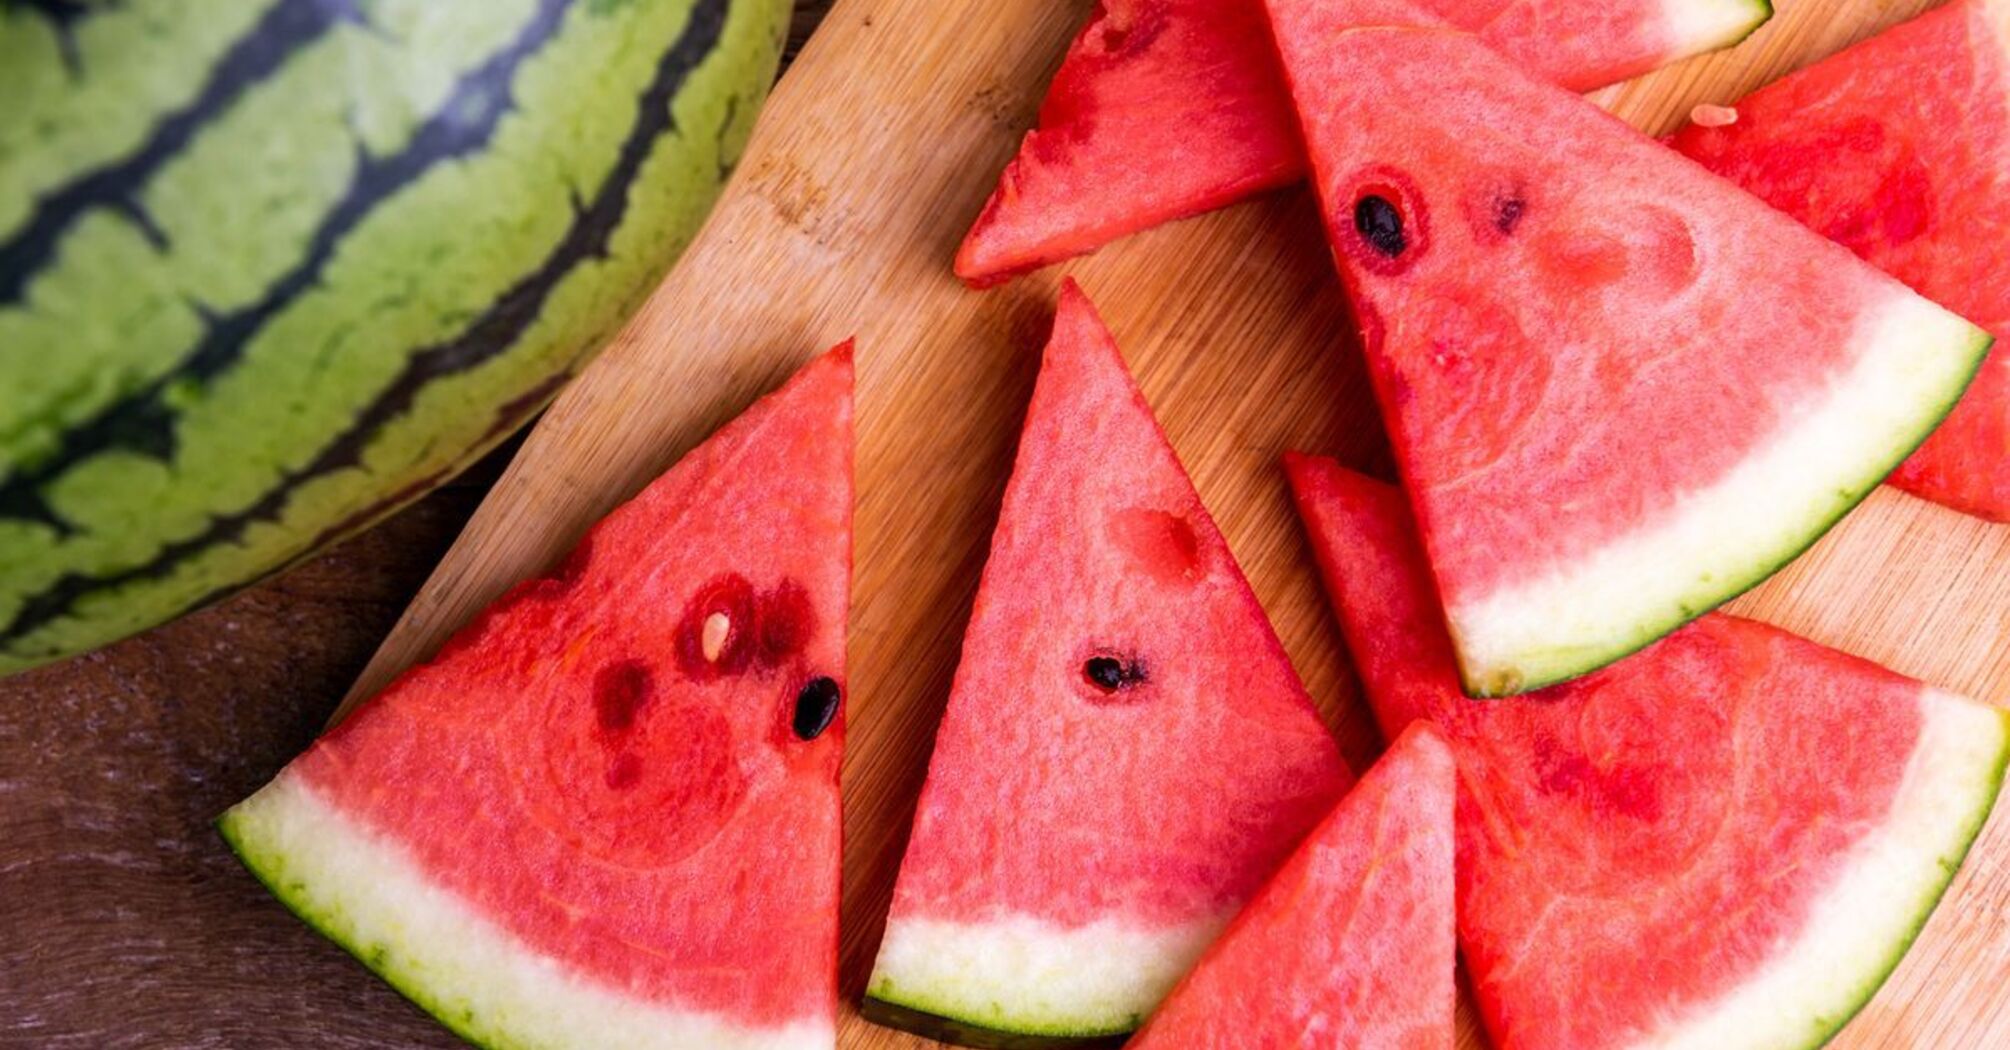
(1164, 109)
(1899, 148)
(1725, 841)
(1126, 752)
(1621, 391)
(1350, 944)
(607, 813)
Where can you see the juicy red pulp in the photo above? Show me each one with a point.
(605, 765)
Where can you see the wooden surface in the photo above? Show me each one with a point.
(883, 141)
(123, 923)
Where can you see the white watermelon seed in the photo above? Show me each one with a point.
(1708, 116)
(713, 641)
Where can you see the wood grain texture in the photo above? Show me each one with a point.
(125, 924)
(881, 144)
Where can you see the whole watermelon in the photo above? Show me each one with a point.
(270, 269)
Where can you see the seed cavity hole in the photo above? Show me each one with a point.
(1157, 545)
(1381, 225)
(624, 772)
(787, 621)
(620, 690)
(729, 628)
(713, 634)
(816, 708)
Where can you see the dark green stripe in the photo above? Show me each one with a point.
(500, 327)
(62, 16)
(289, 27)
(144, 420)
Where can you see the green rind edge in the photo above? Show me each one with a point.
(270, 868)
(1951, 864)
(1649, 633)
(1762, 12)
(880, 1008)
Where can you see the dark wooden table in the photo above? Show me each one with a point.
(124, 922)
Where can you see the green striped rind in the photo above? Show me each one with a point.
(240, 357)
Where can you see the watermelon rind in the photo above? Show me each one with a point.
(1712, 25)
(272, 270)
(1717, 542)
(946, 1030)
(366, 894)
(1858, 931)
(1019, 981)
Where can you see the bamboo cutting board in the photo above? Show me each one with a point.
(876, 151)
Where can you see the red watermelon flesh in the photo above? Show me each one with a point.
(1126, 753)
(1164, 109)
(1724, 841)
(1350, 944)
(607, 813)
(1621, 391)
(1899, 149)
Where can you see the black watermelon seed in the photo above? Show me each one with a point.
(1110, 674)
(1104, 672)
(816, 708)
(1380, 224)
(1507, 213)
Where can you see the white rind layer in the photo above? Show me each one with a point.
(1023, 974)
(1857, 931)
(1600, 604)
(367, 895)
(1696, 26)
